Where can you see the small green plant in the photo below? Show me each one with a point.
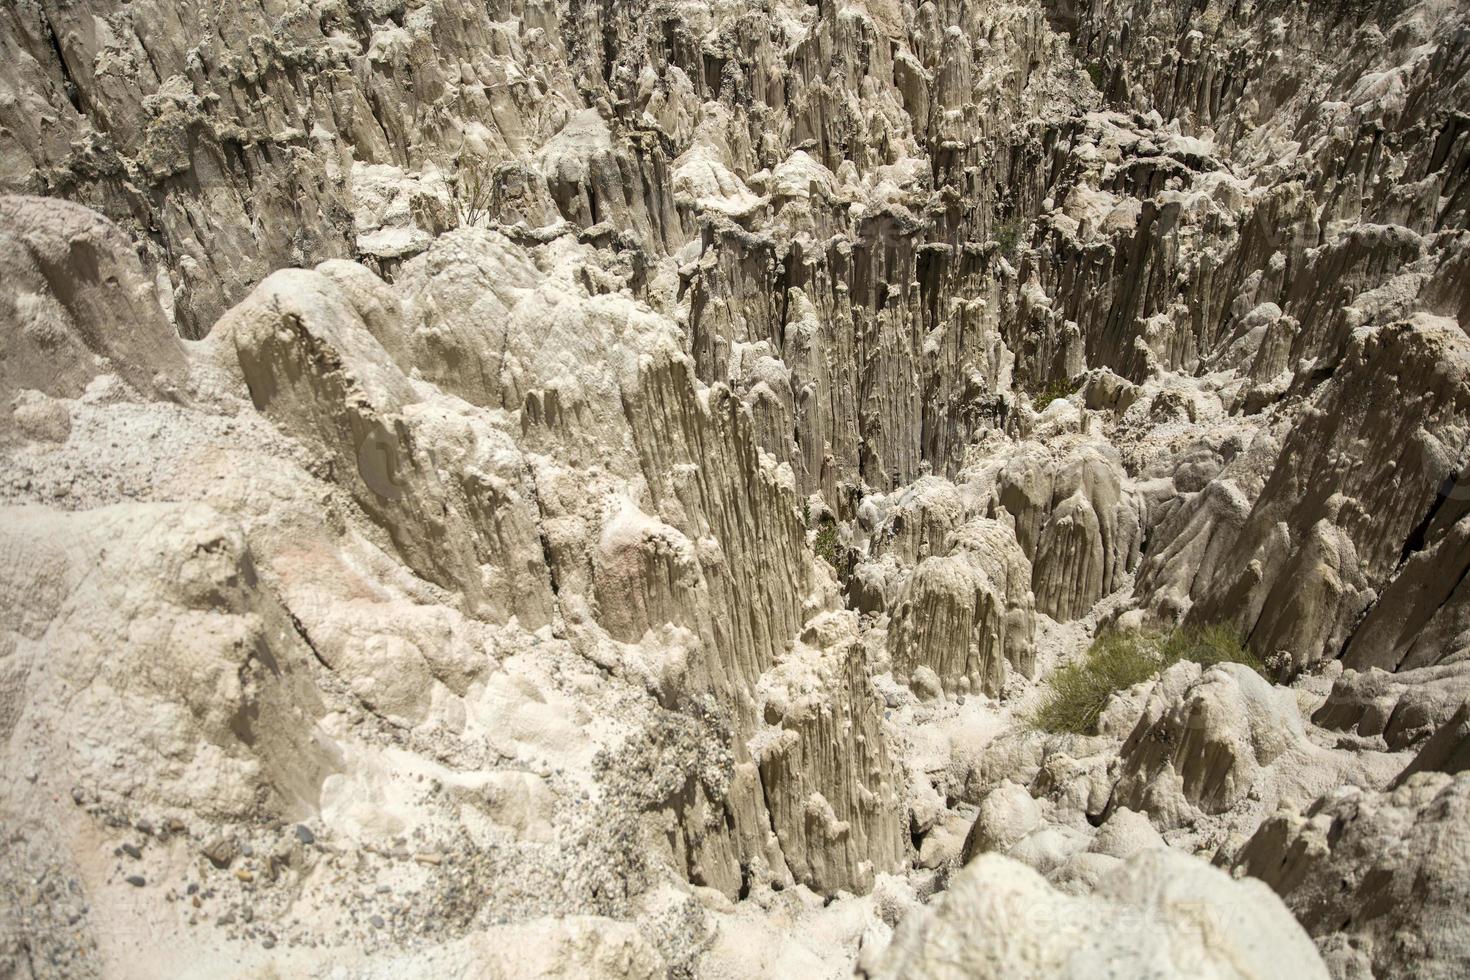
(1208, 646)
(474, 185)
(1044, 395)
(1008, 237)
(1117, 661)
(1098, 76)
(826, 545)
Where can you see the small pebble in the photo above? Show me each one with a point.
(304, 834)
(377, 921)
(131, 850)
(137, 881)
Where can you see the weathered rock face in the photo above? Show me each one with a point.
(76, 303)
(1078, 519)
(1090, 539)
(967, 614)
(1376, 877)
(1447, 750)
(1314, 552)
(1000, 919)
(1006, 816)
(834, 798)
(391, 549)
(1220, 74)
(450, 490)
(754, 135)
(244, 139)
(1421, 618)
(1202, 740)
(181, 632)
(458, 428)
(1403, 708)
(463, 507)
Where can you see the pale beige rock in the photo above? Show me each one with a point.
(1204, 739)
(311, 362)
(157, 611)
(1006, 815)
(1160, 913)
(1312, 555)
(547, 348)
(1403, 707)
(830, 784)
(76, 303)
(964, 616)
(1376, 877)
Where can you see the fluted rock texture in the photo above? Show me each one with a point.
(966, 615)
(834, 794)
(605, 488)
(1202, 739)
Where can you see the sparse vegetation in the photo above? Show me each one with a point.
(826, 545)
(1044, 395)
(1116, 661)
(1208, 646)
(474, 184)
(1098, 76)
(1008, 237)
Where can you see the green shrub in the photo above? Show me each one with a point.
(1116, 661)
(1208, 646)
(1046, 394)
(1008, 237)
(1098, 76)
(826, 545)
(474, 187)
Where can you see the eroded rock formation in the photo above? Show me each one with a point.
(602, 489)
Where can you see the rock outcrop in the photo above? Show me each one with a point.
(1375, 877)
(832, 787)
(1402, 708)
(1160, 913)
(157, 611)
(1202, 739)
(966, 615)
(1314, 554)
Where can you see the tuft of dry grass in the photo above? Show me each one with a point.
(474, 184)
(1116, 661)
